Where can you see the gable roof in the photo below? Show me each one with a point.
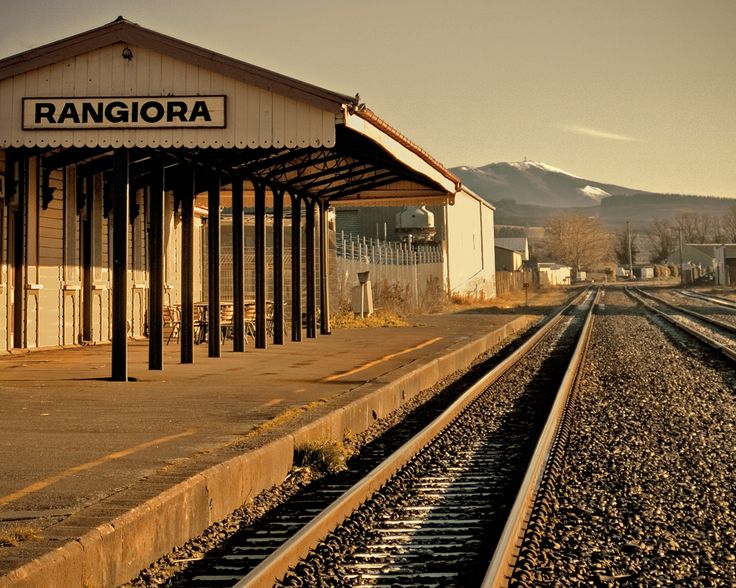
(520, 244)
(124, 31)
(389, 161)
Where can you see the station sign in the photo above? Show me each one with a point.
(129, 112)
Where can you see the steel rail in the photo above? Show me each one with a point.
(694, 313)
(717, 345)
(299, 545)
(507, 549)
(719, 300)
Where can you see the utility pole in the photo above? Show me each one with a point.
(628, 237)
(682, 269)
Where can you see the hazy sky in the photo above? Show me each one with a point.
(640, 93)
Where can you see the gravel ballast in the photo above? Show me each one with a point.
(647, 495)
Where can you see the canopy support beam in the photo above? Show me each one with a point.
(213, 266)
(311, 291)
(324, 288)
(120, 233)
(186, 188)
(260, 197)
(156, 284)
(238, 266)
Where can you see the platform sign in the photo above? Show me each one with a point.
(130, 112)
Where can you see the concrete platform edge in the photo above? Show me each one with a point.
(115, 552)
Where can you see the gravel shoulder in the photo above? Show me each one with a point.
(646, 496)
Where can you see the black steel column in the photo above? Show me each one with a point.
(213, 266)
(311, 290)
(156, 285)
(120, 231)
(278, 266)
(260, 189)
(19, 244)
(324, 286)
(296, 267)
(238, 266)
(186, 332)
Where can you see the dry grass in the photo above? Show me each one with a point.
(280, 419)
(322, 457)
(346, 319)
(513, 299)
(17, 535)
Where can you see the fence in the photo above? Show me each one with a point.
(376, 251)
(514, 281)
(403, 277)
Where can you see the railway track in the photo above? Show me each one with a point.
(719, 333)
(643, 493)
(430, 514)
(630, 483)
(717, 300)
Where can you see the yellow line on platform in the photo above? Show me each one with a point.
(377, 361)
(41, 484)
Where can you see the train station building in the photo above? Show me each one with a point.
(120, 147)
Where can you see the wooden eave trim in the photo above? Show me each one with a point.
(378, 123)
(130, 33)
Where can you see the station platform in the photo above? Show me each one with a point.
(105, 477)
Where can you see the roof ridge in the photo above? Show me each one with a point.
(122, 30)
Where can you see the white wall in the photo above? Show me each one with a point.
(471, 267)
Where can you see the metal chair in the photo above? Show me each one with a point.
(249, 320)
(172, 321)
(226, 321)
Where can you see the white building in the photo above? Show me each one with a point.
(464, 234)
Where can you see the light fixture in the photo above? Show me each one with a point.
(127, 54)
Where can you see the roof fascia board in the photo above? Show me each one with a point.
(398, 151)
(482, 201)
(122, 31)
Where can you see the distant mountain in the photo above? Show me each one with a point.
(535, 183)
(526, 193)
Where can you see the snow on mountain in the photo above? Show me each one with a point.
(526, 164)
(594, 193)
(537, 183)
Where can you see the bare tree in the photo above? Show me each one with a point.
(621, 250)
(696, 227)
(718, 231)
(728, 223)
(578, 241)
(663, 240)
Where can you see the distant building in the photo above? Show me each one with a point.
(520, 244)
(644, 272)
(464, 230)
(726, 264)
(554, 274)
(508, 260)
(696, 260)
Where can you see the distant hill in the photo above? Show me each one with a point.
(536, 183)
(526, 193)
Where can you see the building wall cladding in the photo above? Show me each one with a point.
(471, 259)
(55, 284)
(255, 117)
